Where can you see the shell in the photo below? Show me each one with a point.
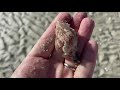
(66, 41)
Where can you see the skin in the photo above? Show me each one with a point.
(39, 64)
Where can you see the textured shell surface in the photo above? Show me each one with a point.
(66, 41)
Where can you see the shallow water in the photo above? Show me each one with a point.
(19, 31)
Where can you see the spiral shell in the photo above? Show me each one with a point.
(66, 41)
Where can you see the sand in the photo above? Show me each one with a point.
(19, 31)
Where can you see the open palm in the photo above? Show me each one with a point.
(48, 63)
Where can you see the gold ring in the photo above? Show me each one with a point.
(70, 67)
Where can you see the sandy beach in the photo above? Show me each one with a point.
(19, 31)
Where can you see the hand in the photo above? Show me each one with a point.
(39, 64)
